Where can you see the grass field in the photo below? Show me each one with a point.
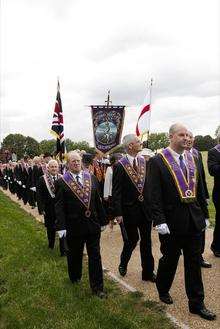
(209, 181)
(35, 291)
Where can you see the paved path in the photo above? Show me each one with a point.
(111, 244)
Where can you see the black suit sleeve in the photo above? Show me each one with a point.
(117, 189)
(40, 195)
(155, 193)
(203, 177)
(59, 207)
(201, 197)
(213, 164)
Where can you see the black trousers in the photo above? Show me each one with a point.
(135, 232)
(216, 234)
(74, 259)
(51, 236)
(171, 247)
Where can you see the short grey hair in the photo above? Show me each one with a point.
(127, 139)
(175, 127)
(73, 153)
(52, 161)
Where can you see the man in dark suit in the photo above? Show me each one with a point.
(130, 207)
(46, 203)
(81, 217)
(214, 170)
(178, 210)
(198, 156)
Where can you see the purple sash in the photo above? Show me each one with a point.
(50, 184)
(217, 147)
(137, 178)
(195, 152)
(186, 187)
(83, 193)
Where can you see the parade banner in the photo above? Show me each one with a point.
(107, 126)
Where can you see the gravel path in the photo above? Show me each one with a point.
(111, 245)
(111, 248)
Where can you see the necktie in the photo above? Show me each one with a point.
(182, 165)
(78, 181)
(54, 179)
(134, 165)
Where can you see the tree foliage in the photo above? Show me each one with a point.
(158, 141)
(204, 143)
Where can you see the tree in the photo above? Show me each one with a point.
(204, 143)
(47, 146)
(217, 132)
(158, 141)
(31, 147)
(15, 143)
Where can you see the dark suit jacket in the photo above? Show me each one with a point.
(70, 212)
(46, 203)
(214, 170)
(125, 197)
(202, 174)
(166, 205)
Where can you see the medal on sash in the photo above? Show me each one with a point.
(83, 193)
(217, 147)
(186, 186)
(137, 178)
(50, 184)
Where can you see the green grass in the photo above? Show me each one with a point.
(209, 181)
(35, 291)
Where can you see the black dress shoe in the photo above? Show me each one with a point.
(151, 278)
(100, 294)
(205, 264)
(122, 270)
(166, 298)
(203, 313)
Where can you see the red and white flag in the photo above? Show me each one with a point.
(143, 123)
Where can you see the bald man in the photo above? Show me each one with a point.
(179, 210)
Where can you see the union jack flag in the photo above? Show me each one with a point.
(57, 128)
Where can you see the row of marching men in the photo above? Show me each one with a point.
(169, 191)
(21, 177)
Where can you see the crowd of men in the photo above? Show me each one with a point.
(136, 189)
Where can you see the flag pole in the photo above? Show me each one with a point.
(150, 97)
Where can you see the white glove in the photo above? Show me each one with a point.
(19, 182)
(207, 200)
(61, 233)
(33, 189)
(207, 222)
(163, 229)
(24, 186)
(103, 228)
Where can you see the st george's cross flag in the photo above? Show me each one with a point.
(57, 128)
(143, 122)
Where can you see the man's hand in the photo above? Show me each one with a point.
(163, 229)
(119, 219)
(61, 233)
(103, 228)
(207, 222)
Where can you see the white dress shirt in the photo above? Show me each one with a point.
(177, 156)
(79, 175)
(131, 159)
(108, 182)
